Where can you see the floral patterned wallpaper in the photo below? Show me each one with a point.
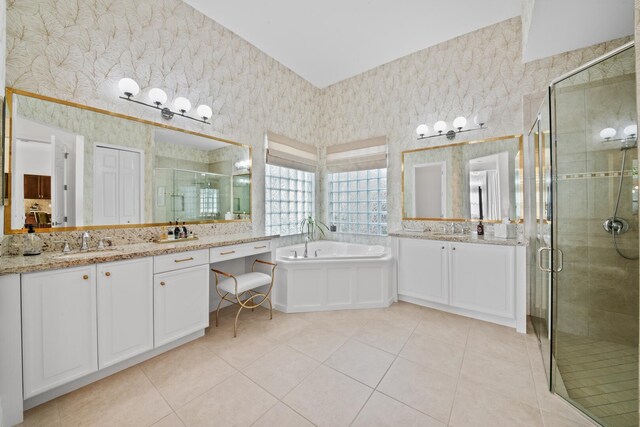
(480, 72)
(78, 50)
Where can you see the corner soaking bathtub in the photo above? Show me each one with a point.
(334, 276)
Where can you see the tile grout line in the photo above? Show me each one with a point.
(375, 389)
(455, 391)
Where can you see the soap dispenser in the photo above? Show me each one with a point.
(32, 243)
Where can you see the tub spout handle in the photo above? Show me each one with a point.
(295, 254)
(317, 250)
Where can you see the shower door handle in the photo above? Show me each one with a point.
(560, 261)
(540, 251)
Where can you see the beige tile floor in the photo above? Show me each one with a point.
(401, 366)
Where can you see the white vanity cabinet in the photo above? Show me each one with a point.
(423, 270)
(181, 295)
(480, 280)
(125, 309)
(483, 279)
(59, 327)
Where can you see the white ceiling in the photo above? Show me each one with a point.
(559, 26)
(328, 41)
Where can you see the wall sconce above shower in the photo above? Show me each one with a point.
(630, 133)
(129, 88)
(440, 127)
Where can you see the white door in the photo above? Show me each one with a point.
(117, 186)
(181, 303)
(125, 309)
(431, 200)
(105, 188)
(59, 184)
(59, 331)
(422, 270)
(129, 187)
(483, 278)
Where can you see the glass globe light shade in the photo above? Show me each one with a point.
(422, 130)
(631, 130)
(459, 123)
(440, 126)
(204, 111)
(128, 87)
(607, 133)
(480, 119)
(157, 96)
(182, 104)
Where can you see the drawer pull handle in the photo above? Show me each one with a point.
(184, 260)
(107, 274)
(162, 283)
(85, 277)
(260, 247)
(227, 253)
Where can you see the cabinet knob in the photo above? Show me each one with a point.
(162, 283)
(85, 277)
(454, 248)
(107, 274)
(443, 247)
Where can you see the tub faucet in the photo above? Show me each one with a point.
(306, 244)
(85, 241)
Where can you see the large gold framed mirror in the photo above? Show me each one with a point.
(72, 167)
(445, 183)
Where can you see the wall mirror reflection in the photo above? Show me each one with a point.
(464, 180)
(72, 167)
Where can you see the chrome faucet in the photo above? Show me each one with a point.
(306, 244)
(85, 241)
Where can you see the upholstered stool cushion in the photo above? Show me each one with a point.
(246, 281)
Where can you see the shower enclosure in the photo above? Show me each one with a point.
(584, 279)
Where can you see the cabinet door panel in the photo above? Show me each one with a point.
(422, 270)
(181, 303)
(482, 278)
(125, 309)
(59, 330)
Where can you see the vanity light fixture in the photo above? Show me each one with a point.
(243, 165)
(129, 89)
(441, 128)
(630, 133)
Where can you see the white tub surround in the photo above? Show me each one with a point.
(483, 278)
(334, 276)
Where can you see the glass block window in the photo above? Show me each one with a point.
(289, 198)
(358, 201)
(209, 202)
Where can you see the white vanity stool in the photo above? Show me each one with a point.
(234, 288)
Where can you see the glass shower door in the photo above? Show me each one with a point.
(595, 240)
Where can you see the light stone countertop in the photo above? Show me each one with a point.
(460, 238)
(56, 260)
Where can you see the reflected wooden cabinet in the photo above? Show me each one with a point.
(37, 187)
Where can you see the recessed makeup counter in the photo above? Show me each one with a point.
(483, 277)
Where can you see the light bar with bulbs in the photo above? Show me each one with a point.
(441, 128)
(609, 133)
(129, 89)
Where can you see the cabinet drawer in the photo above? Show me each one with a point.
(162, 263)
(237, 251)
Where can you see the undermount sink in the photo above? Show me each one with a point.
(88, 254)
